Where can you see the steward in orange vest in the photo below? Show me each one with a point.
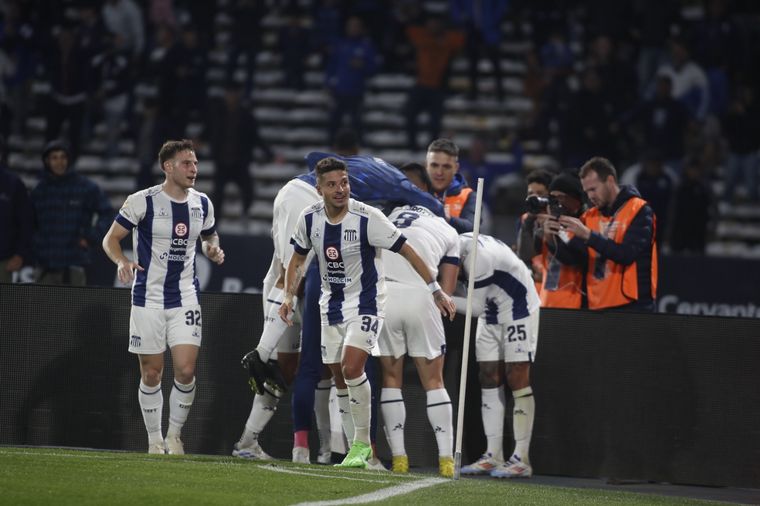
(615, 240)
(449, 186)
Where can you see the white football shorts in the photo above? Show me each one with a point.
(413, 323)
(361, 332)
(152, 330)
(515, 341)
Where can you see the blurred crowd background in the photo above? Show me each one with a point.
(666, 89)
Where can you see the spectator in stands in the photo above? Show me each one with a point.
(481, 21)
(652, 25)
(190, 78)
(615, 240)
(663, 120)
(656, 183)
(538, 187)
(507, 307)
(412, 326)
(435, 47)
(125, 18)
(562, 286)
(293, 41)
(350, 62)
(233, 133)
(689, 80)
(163, 68)
(475, 163)
(246, 18)
(18, 50)
(442, 165)
(145, 142)
(111, 85)
(587, 121)
(741, 125)
(71, 216)
(67, 72)
(15, 220)
(618, 79)
(167, 220)
(691, 210)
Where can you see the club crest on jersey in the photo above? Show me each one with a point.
(180, 229)
(332, 253)
(349, 235)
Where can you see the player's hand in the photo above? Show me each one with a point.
(126, 271)
(445, 305)
(215, 254)
(285, 308)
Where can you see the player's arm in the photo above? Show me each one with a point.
(443, 301)
(293, 276)
(447, 277)
(210, 248)
(112, 247)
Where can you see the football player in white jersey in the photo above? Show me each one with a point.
(347, 238)
(507, 306)
(413, 326)
(278, 341)
(167, 221)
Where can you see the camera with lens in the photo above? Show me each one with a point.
(537, 205)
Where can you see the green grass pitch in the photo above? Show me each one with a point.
(76, 477)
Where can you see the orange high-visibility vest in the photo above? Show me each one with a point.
(613, 284)
(562, 285)
(455, 203)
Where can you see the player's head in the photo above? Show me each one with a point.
(179, 163)
(599, 180)
(332, 182)
(417, 175)
(442, 163)
(55, 156)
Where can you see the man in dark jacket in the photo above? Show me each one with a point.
(458, 199)
(615, 239)
(71, 215)
(15, 221)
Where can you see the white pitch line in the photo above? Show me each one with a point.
(380, 495)
(317, 475)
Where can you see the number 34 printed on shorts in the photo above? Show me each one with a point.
(369, 324)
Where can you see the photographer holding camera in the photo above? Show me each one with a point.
(563, 285)
(530, 223)
(614, 240)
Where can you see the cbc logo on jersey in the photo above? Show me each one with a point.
(332, 253)
(180, 229)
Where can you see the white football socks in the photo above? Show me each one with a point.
(360, 394)
(523, 415)
(264, 407)
(439, 414)
(492, 409)
(345, 413)
(180, 402)
(151, 401)
(274, 327)
(394, 417)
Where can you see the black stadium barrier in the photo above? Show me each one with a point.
(664, 398)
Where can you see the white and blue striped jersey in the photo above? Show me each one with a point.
(349, 254)
(434, 240)
(164, 240)
(504, 288)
